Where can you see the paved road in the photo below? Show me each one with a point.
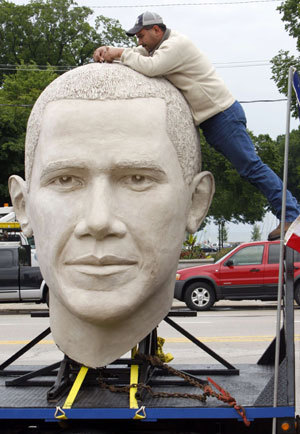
(239, 332)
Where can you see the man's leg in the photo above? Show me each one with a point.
(227, 133)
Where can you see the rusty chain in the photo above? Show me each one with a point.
(155, 361)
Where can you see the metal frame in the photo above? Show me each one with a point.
(230, 369)
(66, 369)
(286, 349)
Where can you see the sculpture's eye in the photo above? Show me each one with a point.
(138, 179)
(138, 182)
(67, 182)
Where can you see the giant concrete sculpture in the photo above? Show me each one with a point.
(113, 182)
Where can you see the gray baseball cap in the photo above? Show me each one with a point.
(143, 20)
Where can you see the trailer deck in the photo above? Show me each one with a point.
(252, 388)
(255, 380)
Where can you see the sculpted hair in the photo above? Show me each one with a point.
(97, 81)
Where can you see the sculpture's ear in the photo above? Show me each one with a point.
(18, 194)
(202, 188)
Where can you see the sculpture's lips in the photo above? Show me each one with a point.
(105, 266)
(100, 261)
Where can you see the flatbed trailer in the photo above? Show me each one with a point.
(142, 394)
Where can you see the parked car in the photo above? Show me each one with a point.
(248, 272)
(208, 249)
(19, 280)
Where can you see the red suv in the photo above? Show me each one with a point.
(248, 272)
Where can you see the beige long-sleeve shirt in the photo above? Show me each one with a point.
(185, 66)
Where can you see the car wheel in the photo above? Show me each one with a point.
(199, 296)
(297, 294)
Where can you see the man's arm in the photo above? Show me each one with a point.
(164, 60)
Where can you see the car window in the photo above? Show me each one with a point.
(24, 255)
(251, 255)
(31, 242)
(6, 258)
(273, 256)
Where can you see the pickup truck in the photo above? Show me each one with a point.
(248, 272)
(19, 280)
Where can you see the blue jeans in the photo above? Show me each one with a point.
(226, 132)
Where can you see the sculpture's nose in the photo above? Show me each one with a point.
(100, 217)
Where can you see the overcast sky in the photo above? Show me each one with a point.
(240, 37)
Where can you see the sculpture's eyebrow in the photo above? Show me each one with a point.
(61, 165)
(141, 164)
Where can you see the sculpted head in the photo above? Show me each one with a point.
(113, 182)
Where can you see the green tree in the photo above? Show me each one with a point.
(224, 233)
(55, 32)
(290, 11)
(235, 199)
(255, 233)
(17, 96)
(293, 181)
(112, 33)
(40, 33)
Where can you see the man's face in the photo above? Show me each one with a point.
(108, 205)
(149, 38)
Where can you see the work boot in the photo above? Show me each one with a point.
(275, 234)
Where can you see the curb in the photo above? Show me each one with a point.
(20, 311)
(21, 308)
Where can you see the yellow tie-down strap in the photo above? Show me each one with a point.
(59, 413)
(134, 374)
(134, 378)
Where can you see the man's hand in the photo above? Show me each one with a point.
(99, 54)
(107, 54)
